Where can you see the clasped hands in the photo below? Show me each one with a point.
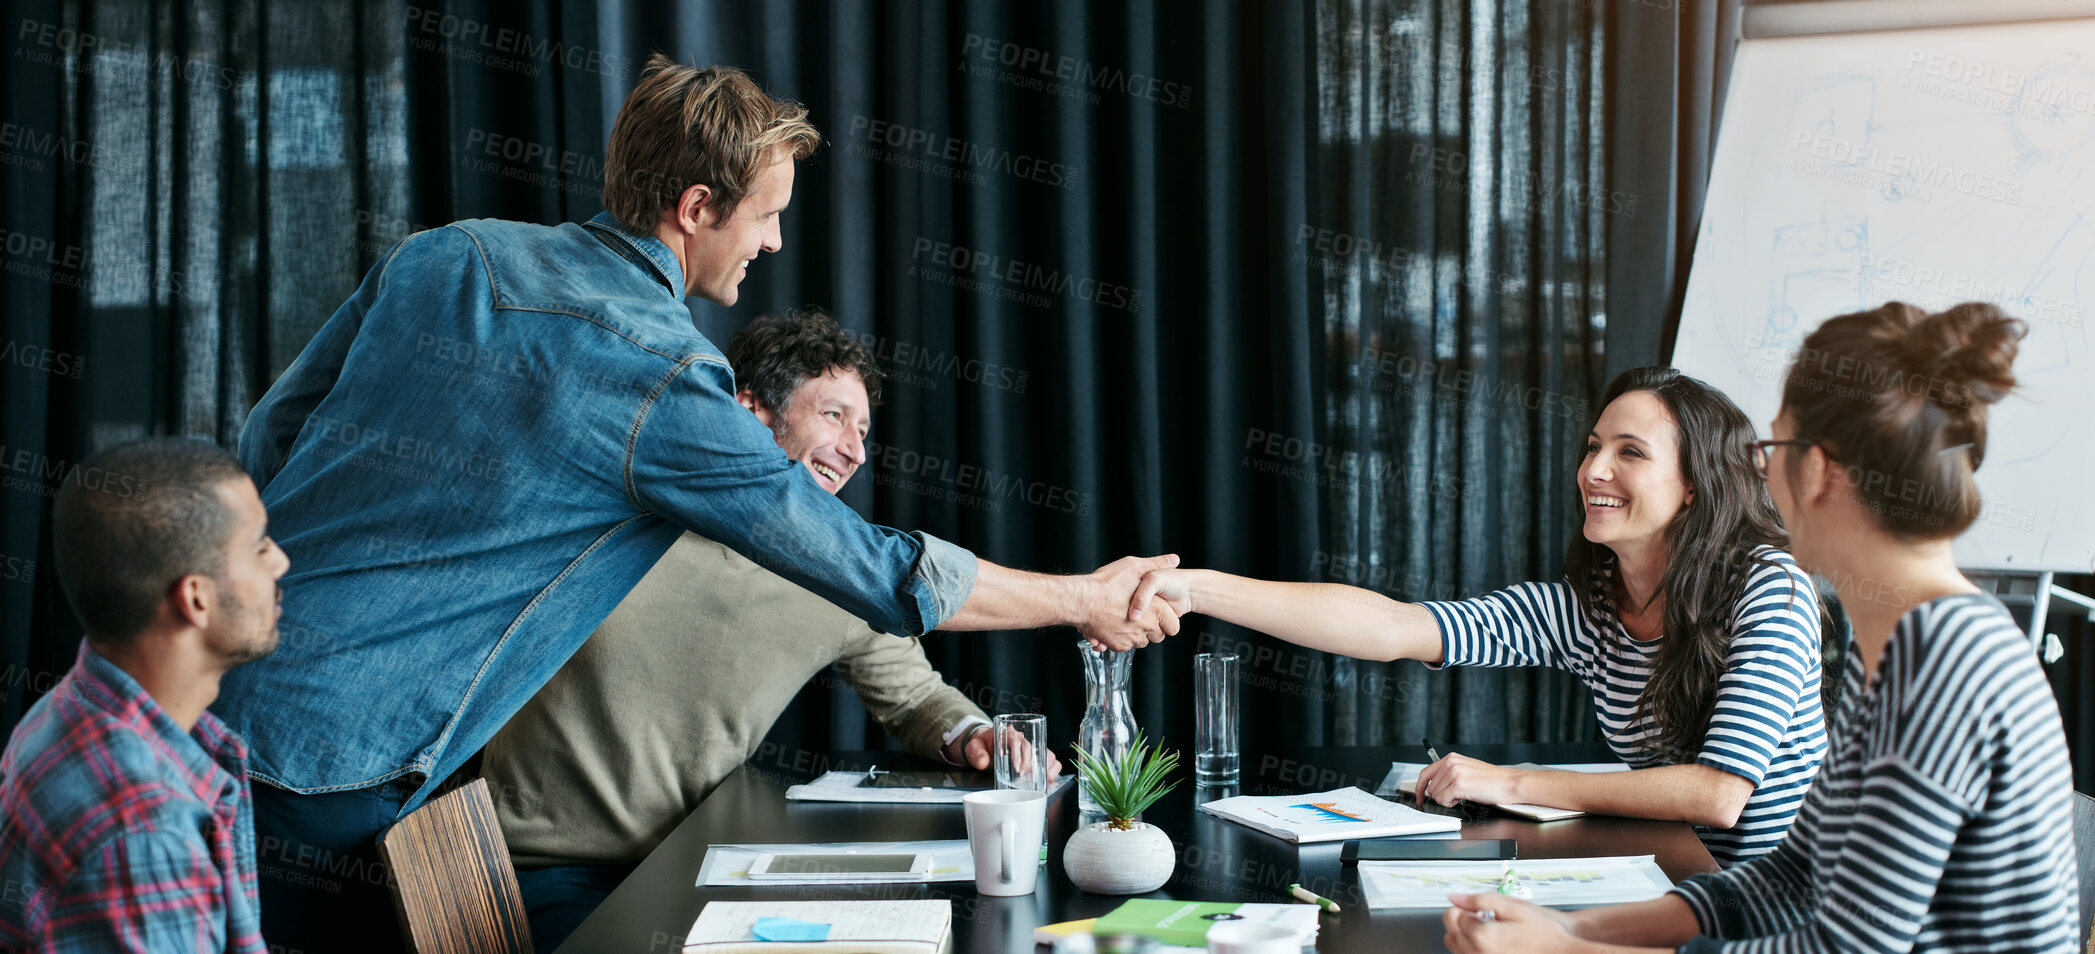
(1125, 609)
(1111, 619)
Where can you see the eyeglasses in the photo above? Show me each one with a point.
(1760, 452)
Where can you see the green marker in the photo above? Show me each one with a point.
(1313, 898)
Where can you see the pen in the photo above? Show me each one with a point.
(1313, 898)
(1469, 809)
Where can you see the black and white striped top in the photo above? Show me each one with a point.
(1943, 819)
(1766, 727)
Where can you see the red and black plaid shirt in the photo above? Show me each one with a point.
(121, 832)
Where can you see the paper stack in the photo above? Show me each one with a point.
(821, 927)
(1551, 882)
(1329, 816)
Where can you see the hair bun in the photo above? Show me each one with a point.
(1970, 349)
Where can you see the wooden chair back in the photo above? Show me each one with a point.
(453, 886)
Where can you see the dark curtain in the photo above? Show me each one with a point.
(1668, 66)
(1464, 281)
(1297, 291)
(189, 191)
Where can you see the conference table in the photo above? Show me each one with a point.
(1218, 860)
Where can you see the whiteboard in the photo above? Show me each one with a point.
(1930, 166)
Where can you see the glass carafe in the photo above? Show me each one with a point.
(1109, 719)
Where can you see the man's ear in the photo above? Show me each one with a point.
(748, 398)
(694, 209)
(192, 599)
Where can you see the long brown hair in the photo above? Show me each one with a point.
(1710, 557)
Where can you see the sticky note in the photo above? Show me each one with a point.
(790, 929)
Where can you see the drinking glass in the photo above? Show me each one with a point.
(1018, 740)
(1215, 717)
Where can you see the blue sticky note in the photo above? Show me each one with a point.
(790, 929)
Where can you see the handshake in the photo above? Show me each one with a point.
(1132, 602)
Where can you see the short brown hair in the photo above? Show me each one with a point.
(132, 520)
(685, 126)
(1897, 398)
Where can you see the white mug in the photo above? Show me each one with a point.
(1252, 937)
(1003, 833)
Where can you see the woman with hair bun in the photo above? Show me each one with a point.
(1941, 820)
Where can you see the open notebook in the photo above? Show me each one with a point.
(1330, 816)
(1403, 780)
(787, 927)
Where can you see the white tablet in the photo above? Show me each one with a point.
(832, 866)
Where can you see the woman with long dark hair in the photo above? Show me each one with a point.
(1942, 819)
(1679, 609)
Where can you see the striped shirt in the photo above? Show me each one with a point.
(1766, 725)
(1943, 820)
(121, 832)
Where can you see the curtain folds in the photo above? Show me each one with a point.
(1299, 291)
(1461, 247)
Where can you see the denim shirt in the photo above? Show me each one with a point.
(470, 465)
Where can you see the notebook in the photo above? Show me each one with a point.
(1403, 780)
(1329, 816)
(827, 927)
(1187, 922)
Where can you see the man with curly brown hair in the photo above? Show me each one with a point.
(680, 684)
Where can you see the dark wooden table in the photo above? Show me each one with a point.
(1217, 860)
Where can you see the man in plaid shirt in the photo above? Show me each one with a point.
(125, 821)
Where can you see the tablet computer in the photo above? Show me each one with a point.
(955, 780)
(1426, 849)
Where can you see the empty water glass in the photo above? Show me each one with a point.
(1215, 717)
(1018, 740)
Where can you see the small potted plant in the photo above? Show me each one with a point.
(1122, 855)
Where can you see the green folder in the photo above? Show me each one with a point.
(1173, 922)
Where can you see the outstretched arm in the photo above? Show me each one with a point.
(1095, 603)
(1327, 616)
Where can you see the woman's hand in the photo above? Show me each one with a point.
(1174, 587)
(1512, 925)
(1459, 778)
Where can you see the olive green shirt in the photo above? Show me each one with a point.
(675, 690)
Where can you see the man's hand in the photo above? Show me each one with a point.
(976, 753)
(1514, 925)
(1459, 778)
(1109, 623)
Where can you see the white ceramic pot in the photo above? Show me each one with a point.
(1102, 859)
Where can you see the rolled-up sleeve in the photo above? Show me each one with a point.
(947, 572)
(700, 460)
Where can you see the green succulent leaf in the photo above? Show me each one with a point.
(1125, 787)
